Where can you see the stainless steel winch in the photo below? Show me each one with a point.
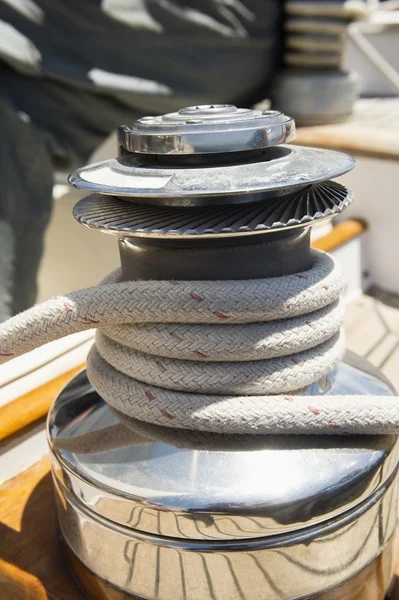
(213, 192)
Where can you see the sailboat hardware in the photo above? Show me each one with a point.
(174, 472)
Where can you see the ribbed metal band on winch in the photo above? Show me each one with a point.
(318, 201)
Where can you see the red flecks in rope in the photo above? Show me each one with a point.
(176, 337)
(167, 415)
(196, 297)
(221, 316)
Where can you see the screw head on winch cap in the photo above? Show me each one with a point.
(207, 129)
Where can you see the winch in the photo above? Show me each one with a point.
(314, 85)
(175, 475)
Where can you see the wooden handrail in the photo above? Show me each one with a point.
(341, 234)
(33, 406)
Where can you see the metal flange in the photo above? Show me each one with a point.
(276, 172)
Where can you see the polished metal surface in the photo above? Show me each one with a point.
(277, 171)
(258, 486)
(276, 568)
(314, 203)
(207, 129)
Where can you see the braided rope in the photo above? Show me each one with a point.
(215, 356)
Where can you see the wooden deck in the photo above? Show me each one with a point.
(372, 328)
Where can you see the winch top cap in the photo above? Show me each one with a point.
(210, 155)
(207, 129)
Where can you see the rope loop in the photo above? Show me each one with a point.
(225, 357)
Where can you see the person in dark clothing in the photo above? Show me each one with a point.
(73, 71)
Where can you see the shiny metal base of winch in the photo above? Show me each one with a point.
(264, 517)
(369, 584)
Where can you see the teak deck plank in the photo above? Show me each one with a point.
(32, 564)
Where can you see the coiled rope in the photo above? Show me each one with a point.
(231, 357)
(316, 32)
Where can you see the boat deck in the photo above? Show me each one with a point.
(372, 328)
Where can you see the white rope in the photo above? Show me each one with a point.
(215, 356)
(315, 32)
